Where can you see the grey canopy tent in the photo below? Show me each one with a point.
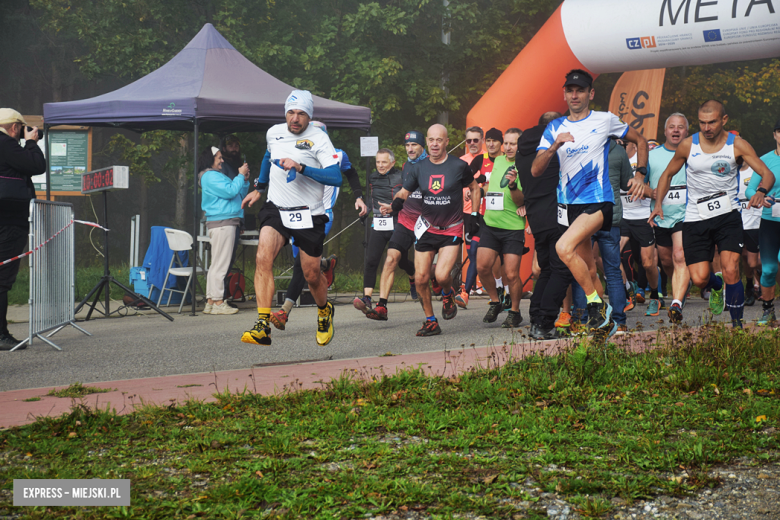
(207, 87)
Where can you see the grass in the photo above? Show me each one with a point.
(591, 423)
(77, 390)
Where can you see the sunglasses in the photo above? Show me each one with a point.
(473, 141)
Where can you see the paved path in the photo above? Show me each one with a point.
(149, 359)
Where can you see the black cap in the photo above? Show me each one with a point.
(777, 125)
(495, 134)
(579, 79)
(413, 136)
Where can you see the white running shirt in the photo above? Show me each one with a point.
(312, 147)
(584, 174)
(709, 174)
(751, 217)
(639, 209)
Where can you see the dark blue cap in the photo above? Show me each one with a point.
(413, 136)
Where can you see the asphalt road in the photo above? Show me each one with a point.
(150, 346)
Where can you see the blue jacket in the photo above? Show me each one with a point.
(222, 197)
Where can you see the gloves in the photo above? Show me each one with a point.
(472, 229)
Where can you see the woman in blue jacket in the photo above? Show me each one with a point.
(221, 201)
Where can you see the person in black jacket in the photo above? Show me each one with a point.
(383, 183)
(541, 204)
(17, 167)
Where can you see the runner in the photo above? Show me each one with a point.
(384, 183)
(634, 226)
(403, 233)
(299, 163)
(668, 232)
(482, 167)
(503, 233)
(712, 212)
(585, 197)
(769, 232)
(327, 265)
(440, 178)
(751, 222)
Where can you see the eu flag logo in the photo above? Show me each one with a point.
(713, 35)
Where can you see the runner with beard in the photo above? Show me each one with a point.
(299, 163)
(441, 179)
(403, 232)
(712, 217)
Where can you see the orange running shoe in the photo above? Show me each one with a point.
(564, 320)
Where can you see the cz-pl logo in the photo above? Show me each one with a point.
(645, 42)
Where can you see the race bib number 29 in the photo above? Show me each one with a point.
(296, 218)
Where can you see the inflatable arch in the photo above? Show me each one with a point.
(621, 35)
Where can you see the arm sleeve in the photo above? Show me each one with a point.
(330, 176)
(547, 139)
(617, 127)
(345, 164)
(353, 178)
(755, 180)
(265, 169)
(476, 164)
(28, 161)
(220, 186)
(411, 183)
(626, 171)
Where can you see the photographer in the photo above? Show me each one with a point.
(17, 166)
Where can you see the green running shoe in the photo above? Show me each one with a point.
(717, 303)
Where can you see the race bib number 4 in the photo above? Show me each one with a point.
(420, 227)
(383, 223)
(296, 218)
(563, 215)
(676, 196)
(713, 206)
(494, 201)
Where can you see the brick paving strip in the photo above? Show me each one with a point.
(270, 380)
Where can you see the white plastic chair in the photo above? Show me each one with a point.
(178, 241)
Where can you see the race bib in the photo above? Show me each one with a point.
(714, 206)
(627, 203)
(420, 227)
(776, 210)
(563, 215)
(494, 201)
(383, 223)
(296, 218)
(676, 196)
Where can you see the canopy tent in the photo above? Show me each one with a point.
(209, 86)
(208, 81)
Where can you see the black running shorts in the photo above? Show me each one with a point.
(700, 238)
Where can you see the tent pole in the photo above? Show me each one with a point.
(48, 161)
(194, 253)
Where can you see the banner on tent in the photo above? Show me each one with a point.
(636, 99)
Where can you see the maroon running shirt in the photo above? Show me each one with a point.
(441, 186)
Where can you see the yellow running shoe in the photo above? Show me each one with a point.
(260, 334)
(325, 324)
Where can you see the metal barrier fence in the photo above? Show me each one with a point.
(52, 270)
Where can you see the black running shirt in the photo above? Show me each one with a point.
(441, 186)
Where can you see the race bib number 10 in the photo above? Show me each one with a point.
(296, 218)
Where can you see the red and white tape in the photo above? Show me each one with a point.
(31, 251)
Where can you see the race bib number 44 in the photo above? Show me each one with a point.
(296, 218)
(676, 196)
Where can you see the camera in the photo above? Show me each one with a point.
(30, 129)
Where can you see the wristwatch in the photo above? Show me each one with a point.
(642, 170)
(512, 186)
(762, 190)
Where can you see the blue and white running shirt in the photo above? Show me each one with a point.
(584, 175)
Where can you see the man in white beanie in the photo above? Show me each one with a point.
(299, 163)
(17, 166)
